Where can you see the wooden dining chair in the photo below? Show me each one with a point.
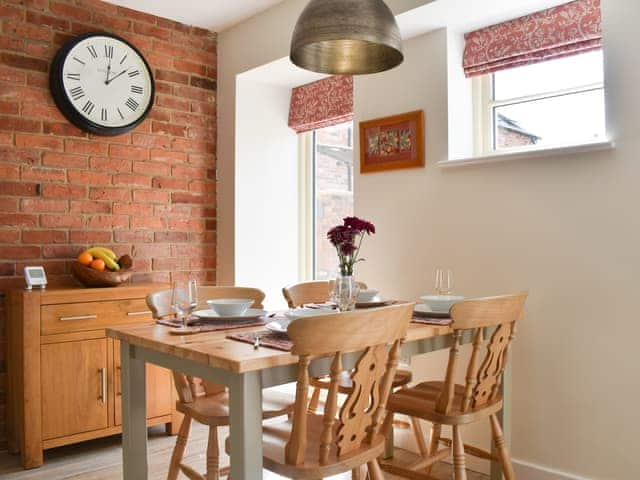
(341, 439)
(445, 403)
(207, 402)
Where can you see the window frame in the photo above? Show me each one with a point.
(485, 105)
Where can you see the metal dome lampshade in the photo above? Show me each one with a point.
(348, 37)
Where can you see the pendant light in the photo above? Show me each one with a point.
(349, 37)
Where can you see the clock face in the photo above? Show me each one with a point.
(102, 84)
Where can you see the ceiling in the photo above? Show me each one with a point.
(214, 15)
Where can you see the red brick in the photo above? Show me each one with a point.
(170, 183)
(25, 94)
(156, 141)
(6, 139)
(98, 6)
(8, 11)
(134, 237)
(38, 141)
(40, 205)
(115, 165)
(132, 209)
(39, 50)
(43, 174)
(151, 251)
(158, 60)
(160, 114)
(200, 186)
(172, 102)
(205, 83)
(8, 204)
(136, 15)
(20, 61)
(44, 236)
(108, 222)
(68, 11)
(191, 119)
(7, 269)
(203, 211)
(188, 171)
(19, 252)
(38, 79)
(132, 179)
(163, 88)
(9, 172)
(11, 108)
(89, 206)
(194, 93)
(112, 23)
(40, 110)
(123, 139)
(186, 224)
(89, 237)
(21, 189)
(64, 191)
(17, 45)
(171, 237)
(22, 156)
(150, 196)
(19, 124)
(168, 49)
(47, 20)
(61, 251)
(173, 210)
(85, 177)
(202, 263)
(51, 267)
(150, 223)
(201, 133)
(20, 29)
(180, 27)
(60, 221)
(191, 250)
(63, 129)
(151, 168)
(202, 160)
(152, 31)
(168, 129)
(118, 194)
(203, 107)
(9, 236)
(128, 152)
(174, 77)
(86, 147)
(64, 160)
(170, 264)
(18, 220)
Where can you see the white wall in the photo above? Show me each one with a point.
(565, 228)
(266, 224)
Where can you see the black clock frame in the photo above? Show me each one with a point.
(65, 104)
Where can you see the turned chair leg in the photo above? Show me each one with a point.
(459, 461)
(501, 447)
(434, 442)
(419, 436)
(315, 400)
(356, 474)
(213, 455)
(178, 450)
(375, 472)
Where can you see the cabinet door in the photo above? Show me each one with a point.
(159, 389)
(74, 387)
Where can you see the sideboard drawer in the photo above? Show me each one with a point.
(73, 317)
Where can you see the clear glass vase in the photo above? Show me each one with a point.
(345, 292)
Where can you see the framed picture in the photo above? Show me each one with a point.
(392, 143)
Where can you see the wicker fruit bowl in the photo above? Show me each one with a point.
(94, 278)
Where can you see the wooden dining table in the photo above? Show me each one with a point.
(244, 369)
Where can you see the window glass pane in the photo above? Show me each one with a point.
(563, 120)
(333, 171)
(548, 77)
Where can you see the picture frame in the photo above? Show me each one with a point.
(392, 143)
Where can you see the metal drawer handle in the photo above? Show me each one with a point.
(134, 314)
(79, 317)
(103, 385)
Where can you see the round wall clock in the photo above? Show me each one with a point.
(102, 84)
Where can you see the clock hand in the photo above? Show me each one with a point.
(122, 72)
(106, 82)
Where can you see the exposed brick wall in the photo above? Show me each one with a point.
(149, 193)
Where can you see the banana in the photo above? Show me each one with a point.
(100, 253)
(105, 251)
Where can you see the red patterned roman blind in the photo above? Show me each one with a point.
(561, 31)
(321, 104)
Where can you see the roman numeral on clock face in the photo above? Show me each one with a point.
(88, 107)
(76, 93)
(92, 51)
(132, 104)
(136, 89)
(103, 115)
(108, 51)
(134, 73)
(73, 76)
(79, 61)
(120, 113)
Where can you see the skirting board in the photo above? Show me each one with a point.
(529, 471)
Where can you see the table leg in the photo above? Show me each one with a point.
(504, 416)
(245, 420)
(134, 415)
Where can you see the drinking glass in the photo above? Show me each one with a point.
(184, 299)
(444, 281)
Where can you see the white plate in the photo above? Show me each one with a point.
(422, 308)
(211, 315)
(308, 312)
(278, 326)
(374, 302)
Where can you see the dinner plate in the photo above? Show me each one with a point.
(375, 302)
(278, 326)
(209, 314)
(424, 311)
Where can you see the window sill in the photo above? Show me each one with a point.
(522, 154)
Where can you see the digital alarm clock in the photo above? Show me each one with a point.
(35, 277)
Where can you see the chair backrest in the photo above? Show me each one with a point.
(159, 303)
(317, 291)
(483, 375)
(361, 415)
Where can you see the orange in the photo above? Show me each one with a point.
(98, 264)
(85, 258)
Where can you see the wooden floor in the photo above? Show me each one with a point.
(101, 460)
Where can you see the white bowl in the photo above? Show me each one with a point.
(230, 307)
(308, 312)
(367, 295)
(441, 303)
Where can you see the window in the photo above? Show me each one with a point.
(554, 103)
(332, 191)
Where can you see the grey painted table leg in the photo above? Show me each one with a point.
(245, 405)
(134, 415)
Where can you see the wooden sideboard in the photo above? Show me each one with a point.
(64, 373)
